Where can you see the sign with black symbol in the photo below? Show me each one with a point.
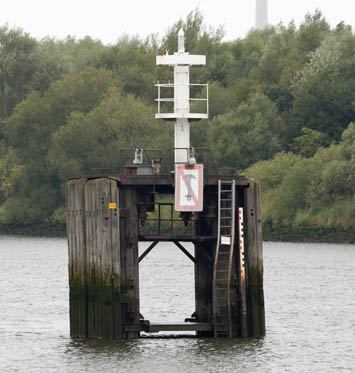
(189, 187)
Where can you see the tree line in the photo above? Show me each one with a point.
(282, 103)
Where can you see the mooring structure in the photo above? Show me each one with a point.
(180, 197)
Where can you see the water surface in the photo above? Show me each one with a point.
(310, 314)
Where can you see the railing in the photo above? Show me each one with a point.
(127, 156)
(165, 222)
(202, 156)
(175, 100)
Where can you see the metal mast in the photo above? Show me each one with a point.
(181, 61)
(261, 14)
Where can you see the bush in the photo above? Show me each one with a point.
(271, 173)
(59, 216)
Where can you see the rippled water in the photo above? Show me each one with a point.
(310, 311)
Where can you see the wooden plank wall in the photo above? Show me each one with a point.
(260, 260)
(118, 327)
(77, 257)
(94, 259)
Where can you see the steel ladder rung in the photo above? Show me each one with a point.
(226, 223)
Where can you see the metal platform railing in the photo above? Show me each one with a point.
(165, 222)
(167, 160)
(149, 158)
(172, 114)
(164, 163)
(202, 156)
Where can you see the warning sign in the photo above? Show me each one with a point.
(189, 187)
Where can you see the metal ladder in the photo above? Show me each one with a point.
(224, 259)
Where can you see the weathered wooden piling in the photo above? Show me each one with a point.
(77, 258)
(254, 260)
(105, 216)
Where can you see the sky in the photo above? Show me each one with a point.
(107, 20)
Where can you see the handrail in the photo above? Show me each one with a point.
(173, 99)
(176, 99)
(171, 85)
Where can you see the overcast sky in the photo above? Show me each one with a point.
(108, 19)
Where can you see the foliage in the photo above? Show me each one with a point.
(324, 87)
(282, 102)
(318, 190)
(17, 65)
(272, 173)
(309, 142)
(246, 135)
(118, 122)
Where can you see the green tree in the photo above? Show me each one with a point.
(17, 66)
(30, 127)
(309, 142)
(132, 61)
(246, 135)
(29, 132)
(271, 173)
(118, 122)
(324, 88)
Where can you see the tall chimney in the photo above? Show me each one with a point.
(261, 14)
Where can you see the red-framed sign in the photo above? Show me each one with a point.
(189, 187)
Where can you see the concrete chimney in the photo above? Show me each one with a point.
(261, 17)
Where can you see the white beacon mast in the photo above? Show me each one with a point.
(181, 61)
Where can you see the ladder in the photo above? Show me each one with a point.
(224, 259)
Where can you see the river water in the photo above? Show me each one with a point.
(310, 314)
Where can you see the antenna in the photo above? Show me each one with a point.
(261, 14)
